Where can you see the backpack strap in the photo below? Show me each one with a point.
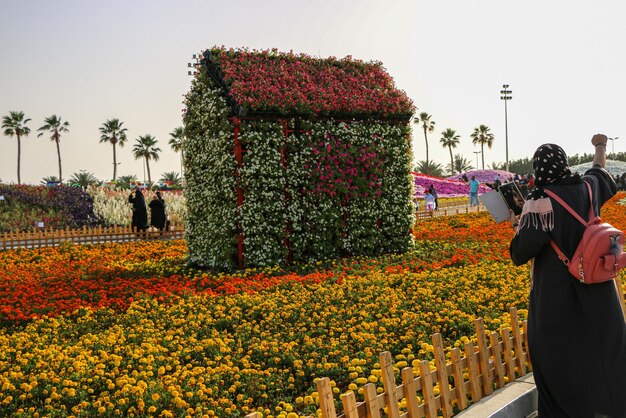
(567, 207)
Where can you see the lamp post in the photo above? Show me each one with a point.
(505, 94)
(612, 145)
(477, 152)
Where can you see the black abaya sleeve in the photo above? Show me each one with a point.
(527, 244)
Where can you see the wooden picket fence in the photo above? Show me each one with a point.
(40, 237)
(423, 214)
(499, 358)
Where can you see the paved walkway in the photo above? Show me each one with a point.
(517, 399)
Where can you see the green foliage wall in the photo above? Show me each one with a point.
(209, 183)
(330, 189)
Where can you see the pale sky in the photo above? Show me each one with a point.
(89, 61)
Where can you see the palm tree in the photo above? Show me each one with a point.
(145, 148)
(15, 124)
(482, 135)
(428, 126)
(461, 164)
(125, 181)
(177, 137)
(434, 169)
(112, 131)
(50, 179)
(450, 139)
(84, 179)
(54, 125)
(170, 177)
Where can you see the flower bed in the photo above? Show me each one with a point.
(25, 207)
(444, 187)
(286, 83)
(485, 176)
(184, 342)
(112, 206)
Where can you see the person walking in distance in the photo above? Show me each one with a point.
(434, 193)
(473, 185)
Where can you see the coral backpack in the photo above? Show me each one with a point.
(599, 255)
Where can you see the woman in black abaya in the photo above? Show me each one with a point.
(158, 217)
(576, 331)
(140, 212)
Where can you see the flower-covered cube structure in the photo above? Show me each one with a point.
(291, 158)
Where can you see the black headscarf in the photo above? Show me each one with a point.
(551, 167)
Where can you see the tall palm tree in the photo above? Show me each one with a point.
(111, 131)
(84, 179)
(15, 124)
(428, 126)
(54, 125)
(145, 148)
(483, 136)
(177, 137)
(450, 139)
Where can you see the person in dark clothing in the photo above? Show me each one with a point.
(158, 217)
(139, 222)
(576, 331)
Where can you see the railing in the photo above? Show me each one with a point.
(42, 237)
(50, 237)
(423, 214)
(427, 391)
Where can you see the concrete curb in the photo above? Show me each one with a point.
(515, 400)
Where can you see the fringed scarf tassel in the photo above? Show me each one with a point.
(538, 214)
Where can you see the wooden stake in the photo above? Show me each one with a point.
(525, 328)
(483, 357)
(508, 357)
(327, 403)
(430, 406)
(520, 357)
(410, 393)
(459, 382)
(348, 400)
(371, 404)
(442, 376)
(472, 372)
(496, 351)
(389, 384)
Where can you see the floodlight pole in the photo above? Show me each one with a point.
(613, 145)
(505, 94)
(477, 152)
